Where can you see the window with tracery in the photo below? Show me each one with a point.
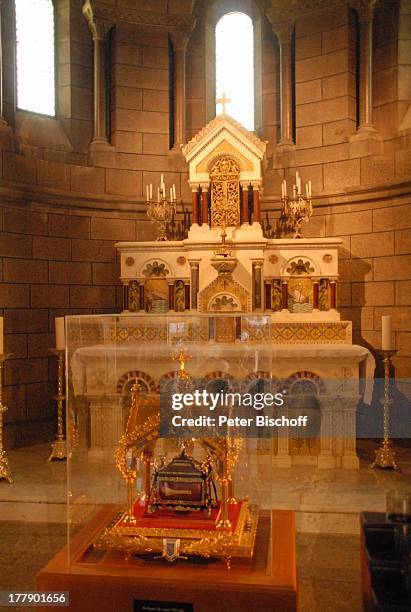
(35, 56)
(234, 44)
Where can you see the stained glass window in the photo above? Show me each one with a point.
(35, 56)
(235, 67)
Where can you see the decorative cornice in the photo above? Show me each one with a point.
(218, 121)
(116, 14)
(289, 10)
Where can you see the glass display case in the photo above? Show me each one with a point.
(166, 460)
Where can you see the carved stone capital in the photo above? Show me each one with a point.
(180, 37)
(98, 26)
(364, 8)
(282, 29)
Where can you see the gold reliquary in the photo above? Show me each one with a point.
(187, 508)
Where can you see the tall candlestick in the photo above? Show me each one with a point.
(60, 333)
(1, 335)
(386, 333)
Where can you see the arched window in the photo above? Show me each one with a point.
(234, 44)
(35, 56)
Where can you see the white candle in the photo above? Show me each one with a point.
(386, 332)
(60, 333)
(148, 193)
(309, 188)
(1, 335)
(171, 194)
(158, 194)
(174, 192)
(151, 191)
(282, 190)
(285, 188)
(307, 191)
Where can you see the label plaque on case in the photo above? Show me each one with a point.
(145, 605)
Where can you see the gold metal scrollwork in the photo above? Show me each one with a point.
(225, 192)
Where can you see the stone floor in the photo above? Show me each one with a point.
(325, 501)
(327, 505)
(328, 565)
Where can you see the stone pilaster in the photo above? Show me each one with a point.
(179, 38)
(285, 153)
(366, 140)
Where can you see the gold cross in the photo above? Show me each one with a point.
(181, 356)
(224, 101)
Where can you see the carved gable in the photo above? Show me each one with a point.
(224, 136)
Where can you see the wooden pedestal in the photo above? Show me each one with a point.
(100, 582)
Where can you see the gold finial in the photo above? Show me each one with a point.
(182, 357)
(224, 101)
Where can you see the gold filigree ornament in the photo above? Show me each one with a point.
(206, 544)
(225, 192)
(137, 436)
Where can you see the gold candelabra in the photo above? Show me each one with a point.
(59, 446)
(295, 211)
(162, 210)
(385, 455)
(5, 472)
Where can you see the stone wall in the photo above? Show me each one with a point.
(64, 206)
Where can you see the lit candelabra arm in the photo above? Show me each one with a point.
(163, 210)
(295, 211)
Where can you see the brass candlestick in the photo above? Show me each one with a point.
(385, 455)
(59, 446)
(5, 472)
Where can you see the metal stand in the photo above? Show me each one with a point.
(5, 472)
(59, 446)
(385, 455)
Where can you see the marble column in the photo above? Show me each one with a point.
(256, 204)
(326, 458)
(125, 295)
(282, 458)
(366, 140)
(333, 294)
(179, 38)
(195, 269)
(284, 295)
(315, 294)
(195, 204)
(204, 204)
(99, 29)
(245, 215)
(257, 285)
(350, 458)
